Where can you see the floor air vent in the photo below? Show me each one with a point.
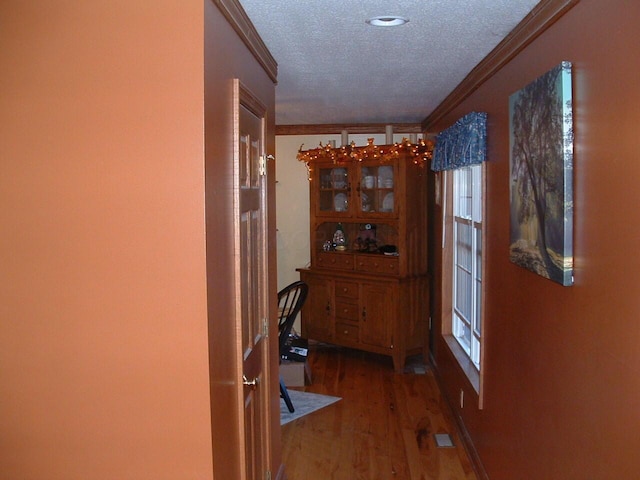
(443, 440)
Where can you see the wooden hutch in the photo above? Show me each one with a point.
(373, 293)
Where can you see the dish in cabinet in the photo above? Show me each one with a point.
(387, 203)
(339, 177)
(340, 202)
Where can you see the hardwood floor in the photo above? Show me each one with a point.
(383, 428)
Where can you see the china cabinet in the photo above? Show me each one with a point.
(371, 294)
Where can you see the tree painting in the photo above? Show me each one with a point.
(541, 136)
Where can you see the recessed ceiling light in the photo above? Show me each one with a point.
(387, 21)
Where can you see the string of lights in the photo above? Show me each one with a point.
(420, 152)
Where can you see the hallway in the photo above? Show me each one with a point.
(383, 428)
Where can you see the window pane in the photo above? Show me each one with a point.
(478, 280)
(463, 245)
(475, 352)
(477, 232)
(463, 297)
(463, 191)
(477, 324)
(463, 271)
(462, 332)
(477, 192)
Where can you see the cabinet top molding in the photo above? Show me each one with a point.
(419, 152)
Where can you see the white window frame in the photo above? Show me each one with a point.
(467, 354)
(467, 261)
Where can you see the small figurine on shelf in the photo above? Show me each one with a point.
(366, 241)
(339, 238)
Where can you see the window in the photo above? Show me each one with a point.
(459, 160)
(466, 326)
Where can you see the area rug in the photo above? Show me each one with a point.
(304, 404)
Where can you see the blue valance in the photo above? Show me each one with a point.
(462, 144)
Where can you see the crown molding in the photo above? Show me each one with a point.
(545, 14)
(352, 129)
(241, 23)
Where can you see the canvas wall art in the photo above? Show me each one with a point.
(541, 175)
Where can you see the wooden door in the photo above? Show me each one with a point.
(252, 284)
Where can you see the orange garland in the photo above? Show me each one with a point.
(420, 152)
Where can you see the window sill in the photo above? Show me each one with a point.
(465, 363)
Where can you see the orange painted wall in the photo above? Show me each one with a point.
(103, 302)
(562, 391)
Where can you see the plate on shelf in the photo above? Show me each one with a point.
(340, 202)
(385, 176)
(339, 177)
(387, 203)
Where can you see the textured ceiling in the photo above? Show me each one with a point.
(334, 68)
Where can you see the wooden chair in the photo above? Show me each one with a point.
(290, 301)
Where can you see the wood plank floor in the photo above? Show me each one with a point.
(383, 428)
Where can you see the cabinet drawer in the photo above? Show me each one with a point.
(346, 289)
(346, 311)
(343, 261)
(377, 264)
(346, 333)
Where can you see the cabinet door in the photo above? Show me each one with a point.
(318, 311)
(376, 190)
(331, 190)
(378, 310)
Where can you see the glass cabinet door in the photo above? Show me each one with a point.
(334, 191)
(377, 185)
